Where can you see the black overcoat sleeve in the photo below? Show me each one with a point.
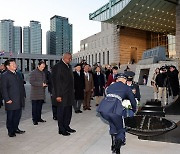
(57, 81)
(5, 87)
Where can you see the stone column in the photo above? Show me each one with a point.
(18, 63)
(30, 67)
(53, 62)
(48, 63)
(36, 63)
(23, 65)
(1, 60)
(178, 32)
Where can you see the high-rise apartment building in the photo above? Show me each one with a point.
(60, 35)
(35, 37)
(6, 35)
(17, 39)
(26, 39)
(48, 33)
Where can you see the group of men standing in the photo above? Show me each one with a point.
(67, 89)
(13, 93)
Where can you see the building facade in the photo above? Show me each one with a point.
(6, 35)
(35, 37)
(17, 39)
(142, 25)
(60, 35)
(26, 39)
(28, 62)
(100, 47)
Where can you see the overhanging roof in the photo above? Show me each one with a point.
(150, 15)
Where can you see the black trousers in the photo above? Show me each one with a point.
(1, 102)
(54, 110)
(13, 119)
(77, 105)
(64, 114)
(37, 109)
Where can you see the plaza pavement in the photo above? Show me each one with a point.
(91, 137)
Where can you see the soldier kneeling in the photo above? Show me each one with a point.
(111, 109)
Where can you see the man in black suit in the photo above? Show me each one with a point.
(13, 93)
(79, 86)
(63, 84)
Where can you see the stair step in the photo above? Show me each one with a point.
(150, 112)
(153, 103)
(152, 106)
(156, 108)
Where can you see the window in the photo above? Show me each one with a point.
(108, 57)
(103, 58)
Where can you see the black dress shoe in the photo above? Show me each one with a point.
(11, 134)
(54, 118)
(64, 133)
(76, 111)
(41, 120)
(71, 130)
(18, 131)
(88, 108)
(35, 123)
(80, 111)
(118, 144)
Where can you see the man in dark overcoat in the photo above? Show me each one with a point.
(99, 85)
(173, 80)
(13, 93)
(79, 86)
(63, 84)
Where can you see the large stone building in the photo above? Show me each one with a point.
(99, 47)
(138, 25)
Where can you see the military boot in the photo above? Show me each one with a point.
(118, 144)
(113, 144)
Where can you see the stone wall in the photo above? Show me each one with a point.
(132, 38)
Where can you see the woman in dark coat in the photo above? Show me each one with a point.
(99, 84)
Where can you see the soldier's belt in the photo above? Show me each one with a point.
(115, 96)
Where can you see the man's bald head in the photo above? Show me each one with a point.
(67, 57)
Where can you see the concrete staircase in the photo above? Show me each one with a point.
(152, 108)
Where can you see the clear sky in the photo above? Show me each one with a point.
(22, 11)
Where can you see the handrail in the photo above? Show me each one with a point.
(99, 11)
(104, 8)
